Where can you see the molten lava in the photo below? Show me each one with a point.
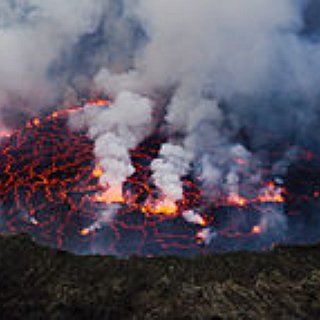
(49, 187)
(256, 230)
(109, 196)
(165, 207)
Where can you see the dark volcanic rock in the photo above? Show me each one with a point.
(40, 283)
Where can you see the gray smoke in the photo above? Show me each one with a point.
(213, 51)
(116, 130)
(51, 50)
(34, 35)
(253, 56)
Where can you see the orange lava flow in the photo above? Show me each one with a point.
(85, 232)
(166, 207)
(109, 196)
(98, 102)
(256, 230)
(269, 194)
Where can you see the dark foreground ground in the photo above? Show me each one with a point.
(40, 283)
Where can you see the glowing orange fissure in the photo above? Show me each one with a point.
(163, 205)
(85, 232)
(270, 194)
(256, 229)
(112, 195)
(97, 172)
(203, 222)
(99, 102)
(167, 207)
(36, 122)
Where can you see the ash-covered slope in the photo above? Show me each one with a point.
(40, 283)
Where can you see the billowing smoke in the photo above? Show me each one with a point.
(232, 65)
(34, 35)
(116, 130)
(252, 56)
(51, 50)
(240, 76)
(172, 164)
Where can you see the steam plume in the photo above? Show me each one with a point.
(217, 54)
(116, 130)
(34, 35)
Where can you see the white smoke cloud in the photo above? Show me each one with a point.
(116, 130)
(172, 164)
(34, 34)
(211, 51)
(234, 43)
(193, 217)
